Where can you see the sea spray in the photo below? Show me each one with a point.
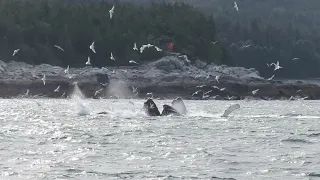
(78, 97)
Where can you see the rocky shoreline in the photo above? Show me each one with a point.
(165, 78)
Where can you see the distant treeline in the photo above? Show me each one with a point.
(265, 31)
(35, 27)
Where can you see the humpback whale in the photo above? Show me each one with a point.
(178, 104)
(152, 110)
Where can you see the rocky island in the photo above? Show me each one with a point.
(168, 77)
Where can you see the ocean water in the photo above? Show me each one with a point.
(68, 139)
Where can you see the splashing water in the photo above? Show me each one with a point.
(78, 97)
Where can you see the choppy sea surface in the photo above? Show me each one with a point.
(49, 139)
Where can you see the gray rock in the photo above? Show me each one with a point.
(167, 77)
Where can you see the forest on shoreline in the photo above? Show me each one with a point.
(213, 32)
(35, 27)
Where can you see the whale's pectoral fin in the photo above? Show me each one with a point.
(151, 108)
(178, 104)
(168, 110)
(230, 110)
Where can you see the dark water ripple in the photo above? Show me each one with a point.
(262, 140)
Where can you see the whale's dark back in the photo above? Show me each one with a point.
(168, 110)
(151, 108)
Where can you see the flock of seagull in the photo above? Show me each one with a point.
(142, 48)
(206, 95)
(88, 62)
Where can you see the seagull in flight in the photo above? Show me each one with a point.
(134, 89)
(217, 78)
(44, 79)
(215, 42)
(236, 6)
(269, 79)
(207, 92)
(15, 52)
(27, 93)
(135, 47)
(92, 47)
(255, 91)
(67, 70)
(57, 89)
(216, 87)
(97, 92)
(104, 84)
(58, 47)
(295, 59)
(88, 62)
(222, 89)
(143, 47)
(276, 66)
(157, 48)
(201, 86)
(246, 46)
(133, 62)
(111, 11)
(196, 92)
(111, 57)
(204, 96)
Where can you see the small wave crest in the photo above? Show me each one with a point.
(295, 140)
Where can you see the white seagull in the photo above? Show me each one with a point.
(276, 66)
(27, 93)
(157, 48)
(236, 6)
(133, 62)
(44, 79)
(111, 57)
(111, 11)
(92, 47)
(97, 92)
(57, 89)
(295, 59)
(217, 78)
(135, 47)
(222, 89)
(15, 52)
(208, 92)
(88, 62)
(201, 86)
(269, 79)
(134, 89)
(58, 47)
(104, 84)
(143, 47)
(196, 92)
(255, 91)
(67, 70)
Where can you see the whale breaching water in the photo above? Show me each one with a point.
(152, 110)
